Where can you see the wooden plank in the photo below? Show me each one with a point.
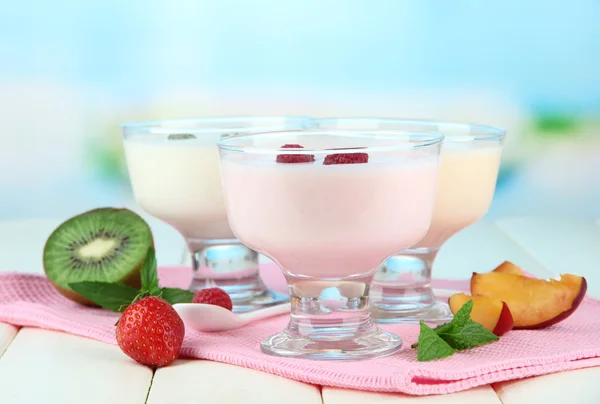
(563, 245)
(479, 395)
(577, 386)
(42, 366)
(195, 381)
(7, 333)
(479, 248)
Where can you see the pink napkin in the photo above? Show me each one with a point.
(30, 300)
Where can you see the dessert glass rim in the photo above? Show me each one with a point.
(474, 132)
(211, 124)
(401, 141)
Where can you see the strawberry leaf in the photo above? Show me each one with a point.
(149, 274)
(174, 295)
(111, 296)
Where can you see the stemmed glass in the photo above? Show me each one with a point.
(328, 207)
(175, 176)
(469, 163)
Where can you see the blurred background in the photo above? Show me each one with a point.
(72, 71)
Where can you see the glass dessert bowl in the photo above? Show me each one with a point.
(174, 171)
(469, 164)
(329, 208)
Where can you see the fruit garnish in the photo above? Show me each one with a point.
(214, 296)
(508, 267)
(101, 245)
(533, 303)
(151, 332)
(116, 296)
(459, 334)
(493, 314)
(181, 136)
(346, 158)
(294, 158)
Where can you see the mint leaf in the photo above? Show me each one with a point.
(460, 319)
(463, 315)
(431, 346)
(174, 295)
(460, 333)
(464, 333)
(470, 335)
(149, 274)
(444, 328)
(111, 296)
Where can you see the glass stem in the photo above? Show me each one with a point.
(320, 308)
(403, 283)
(227, 264)
(330, 319)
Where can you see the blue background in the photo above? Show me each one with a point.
(71, 72)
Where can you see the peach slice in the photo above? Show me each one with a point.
(492, 314)
(533, 303)
(508, 267)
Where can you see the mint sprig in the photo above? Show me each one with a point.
(459, 334)
(116, 296)
(471, 335)
(149, 274)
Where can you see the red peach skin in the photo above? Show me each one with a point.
(533, 303)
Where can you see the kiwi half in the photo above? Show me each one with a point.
(102, 245)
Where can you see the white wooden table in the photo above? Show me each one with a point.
(39, 366)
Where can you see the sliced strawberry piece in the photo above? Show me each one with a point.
(346, 158)
(294, 158)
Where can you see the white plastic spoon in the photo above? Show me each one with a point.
(211, 318)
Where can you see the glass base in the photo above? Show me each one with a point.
(434, 313)
(330, 320)
(233, 267)
(375, 344)
(401, 291)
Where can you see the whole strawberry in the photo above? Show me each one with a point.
(151, 332)
(216, 296)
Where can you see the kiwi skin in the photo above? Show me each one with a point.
(133, 279)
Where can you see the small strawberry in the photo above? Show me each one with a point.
(151, 332)
(346, 158)
(294, 158)
(216, 296)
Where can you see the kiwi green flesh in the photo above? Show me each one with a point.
(105, 244)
